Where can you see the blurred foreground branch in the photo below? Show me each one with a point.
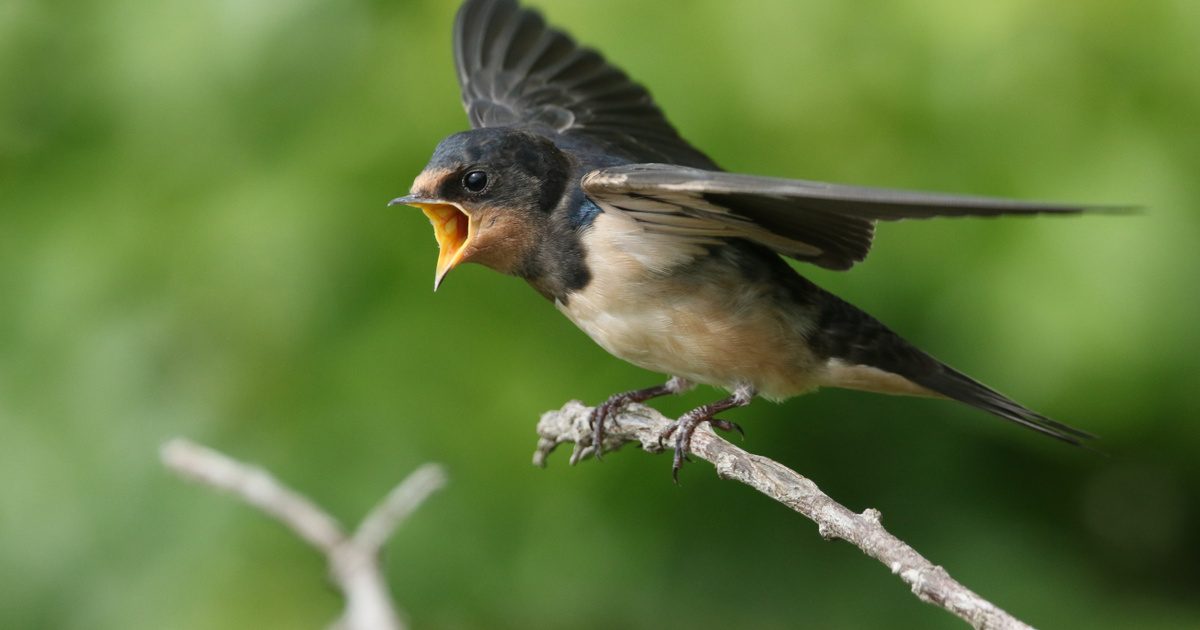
(353, 560)
(638, 423)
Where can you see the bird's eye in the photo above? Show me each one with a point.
(475, 181)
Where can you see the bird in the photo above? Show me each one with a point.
(572, 178)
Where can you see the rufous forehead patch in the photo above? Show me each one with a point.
(429, 181)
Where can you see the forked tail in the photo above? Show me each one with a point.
(851, 337)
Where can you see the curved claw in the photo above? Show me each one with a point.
(683, 429)
(667, 433)
(726, 425)
(616, 401)
(685, 426)
(599, 415)
(680, 455)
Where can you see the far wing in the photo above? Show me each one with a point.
(515, 70)
(829, 225)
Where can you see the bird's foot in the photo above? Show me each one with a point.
(686, 425)
(601, 413)
(610, 407)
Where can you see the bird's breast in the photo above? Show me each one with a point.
(673, 306)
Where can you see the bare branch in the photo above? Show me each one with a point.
(353, 560)
(638, 423)
(383, 520)
(258, 488)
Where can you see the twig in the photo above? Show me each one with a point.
(353, 560)
(637, 423)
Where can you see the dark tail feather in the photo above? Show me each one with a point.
(847, 333)
(958, 386)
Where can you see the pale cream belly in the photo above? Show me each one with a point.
(694, 340)
(719, 330)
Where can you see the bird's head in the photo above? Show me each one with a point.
(489, 193)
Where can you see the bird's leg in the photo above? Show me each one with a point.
(685, 426)
(605, 409)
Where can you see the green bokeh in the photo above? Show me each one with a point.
(193, 241)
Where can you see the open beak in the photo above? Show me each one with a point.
(452, 227)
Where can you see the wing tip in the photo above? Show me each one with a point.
(1120, 209)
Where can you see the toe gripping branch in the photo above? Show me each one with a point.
(685, 426)
(608, 408)
(682, 429)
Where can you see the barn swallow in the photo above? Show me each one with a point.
(572, 179)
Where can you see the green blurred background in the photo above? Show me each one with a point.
(193, 241)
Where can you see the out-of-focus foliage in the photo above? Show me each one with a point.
(193, 241)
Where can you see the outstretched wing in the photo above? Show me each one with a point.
(829, 225)
(516, 70)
